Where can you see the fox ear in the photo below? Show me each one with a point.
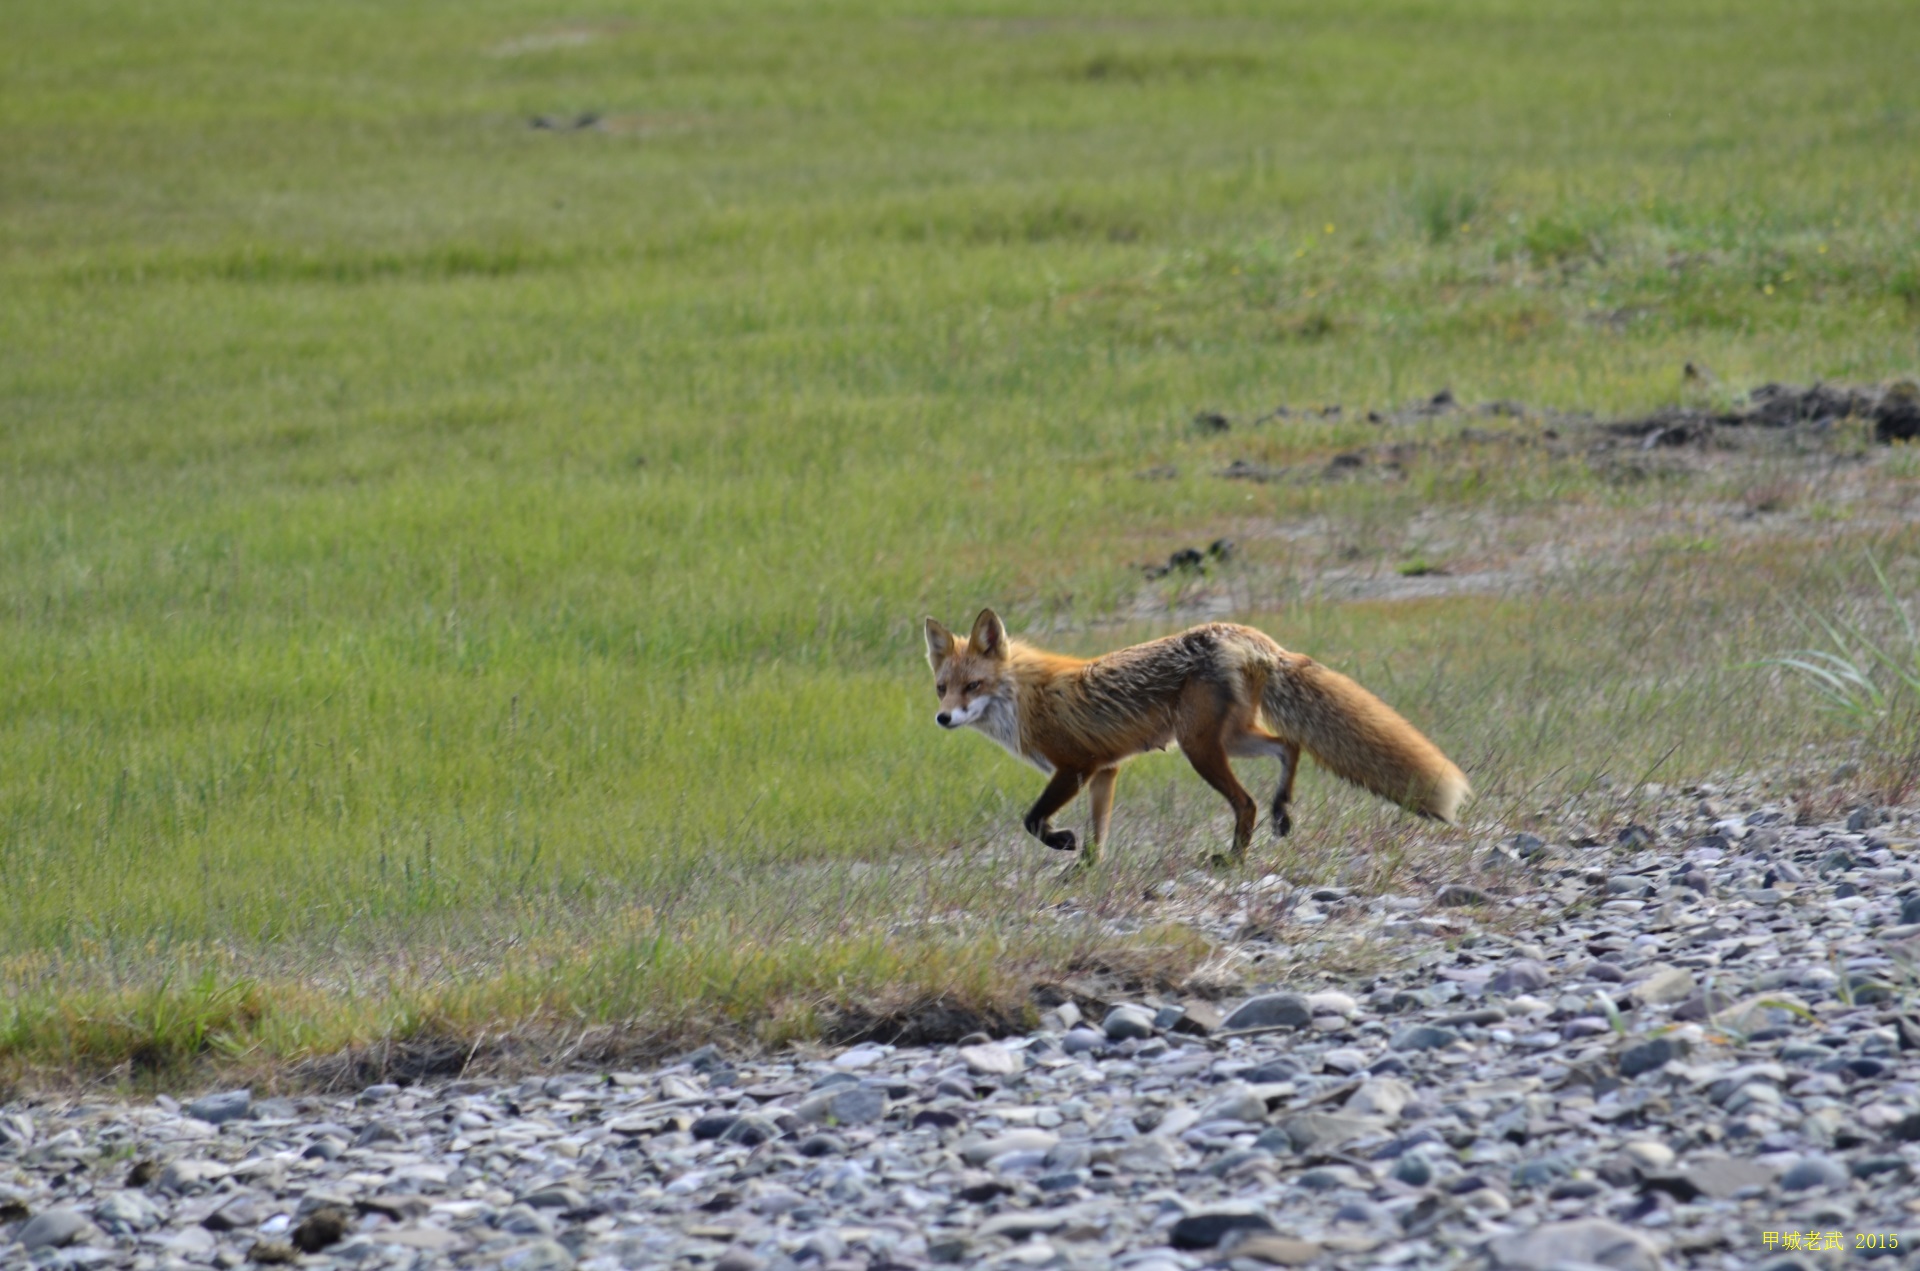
(939, 644)
(989, 638)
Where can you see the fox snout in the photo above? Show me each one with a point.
(960, 717)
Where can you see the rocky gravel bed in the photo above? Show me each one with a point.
(1686, 1046)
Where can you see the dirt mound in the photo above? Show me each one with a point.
(1893, 409)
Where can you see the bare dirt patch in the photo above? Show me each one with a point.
(1787, 462)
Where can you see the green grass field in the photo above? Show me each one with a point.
(461, 578)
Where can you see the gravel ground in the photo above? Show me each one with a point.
(1687, 1046)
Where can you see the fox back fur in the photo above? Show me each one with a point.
(1218, 691)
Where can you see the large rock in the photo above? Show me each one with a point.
(541, 1255)
(1235, 1102)
(1204, 1231)
(1024, 1223)
(54, 1229)
(1587, 1242)
(1198, 1019)
(554, 1196)
(1812, 1172)
(1423, 1037)
(1712, 1175)
(123, 1213)
(1666, 985)
(1651, 1056)
(1273, 1071)
(1380, 1097)
(1270, 1010)
(1127, 1023)
(1648, 1155)
(186, 1175)
(844, 1105)
(437, 1240)
(1309, 1130)
(1522, 975)
(712, 1127)
(218, 1109)
(1763, 1010)
(984, 1150)
(1148, 1154)
(751, 1131)
(1273, 1249)
(195, 1244)
(990, 1061)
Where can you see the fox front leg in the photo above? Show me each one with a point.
(1100, 792)
(1059, 792)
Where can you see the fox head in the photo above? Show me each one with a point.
(970, 674)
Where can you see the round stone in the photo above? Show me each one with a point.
(1413, 1170)
(1423, 1037)
(53, 1229)
(1127, 1022)
(1814, 1172)
(218, 1109)
(1079, 1041)
(1271, 1010)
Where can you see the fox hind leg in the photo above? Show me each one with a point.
(1209, 758)
(1254, 742)
(1059, 792)
(1283, 793)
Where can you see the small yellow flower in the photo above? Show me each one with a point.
(1768, 289)
(1823, 249)
(1466, 227)
(1329, 227)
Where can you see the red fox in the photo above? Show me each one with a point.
(1220, 691)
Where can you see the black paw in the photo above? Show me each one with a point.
(1282, 823)
(1059, 840)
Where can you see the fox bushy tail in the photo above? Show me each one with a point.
(1357, 736)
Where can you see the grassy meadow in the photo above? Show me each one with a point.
(462, 578)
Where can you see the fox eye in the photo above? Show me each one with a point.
(941, 688)
(973, 686)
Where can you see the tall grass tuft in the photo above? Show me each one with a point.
(1442, 208)
(1872, 682)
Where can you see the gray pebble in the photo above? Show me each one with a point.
(1584, 1241)
(218, 1109)
(1814, 1171)
(1127, 1022)
(1523, 975)
(1651, 1056)
(54, 1229)
(1423, 1037)
(1413, 1170)
(1271, 1010)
